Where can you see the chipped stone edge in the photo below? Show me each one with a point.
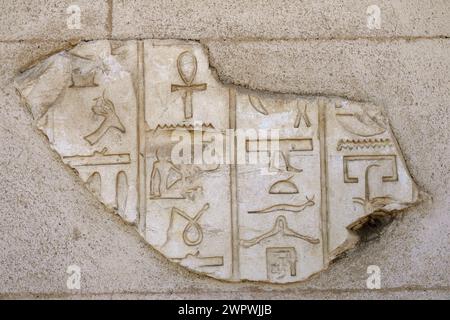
(353, 238)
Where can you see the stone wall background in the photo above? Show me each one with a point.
(50, 221)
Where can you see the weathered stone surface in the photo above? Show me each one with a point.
(111, 110)
(47, 20)
(396, 73)
(282, 19)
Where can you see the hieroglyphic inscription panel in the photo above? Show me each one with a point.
(228, 182)
(187, 209)
(287, 186)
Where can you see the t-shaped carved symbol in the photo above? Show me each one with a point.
(187, 69)
(105, 108)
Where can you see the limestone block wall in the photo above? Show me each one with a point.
(49, 220)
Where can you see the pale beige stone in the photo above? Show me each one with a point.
(281, 19)
(85, 103)
(50, 20)
(111, 110)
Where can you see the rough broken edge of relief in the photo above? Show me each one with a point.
(109, 108)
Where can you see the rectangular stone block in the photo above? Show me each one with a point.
(287, 19)
(50, 20)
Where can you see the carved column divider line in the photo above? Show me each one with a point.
(233, 188)
(140, 127)
(323, 179)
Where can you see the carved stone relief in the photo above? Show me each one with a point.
(117, 113)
